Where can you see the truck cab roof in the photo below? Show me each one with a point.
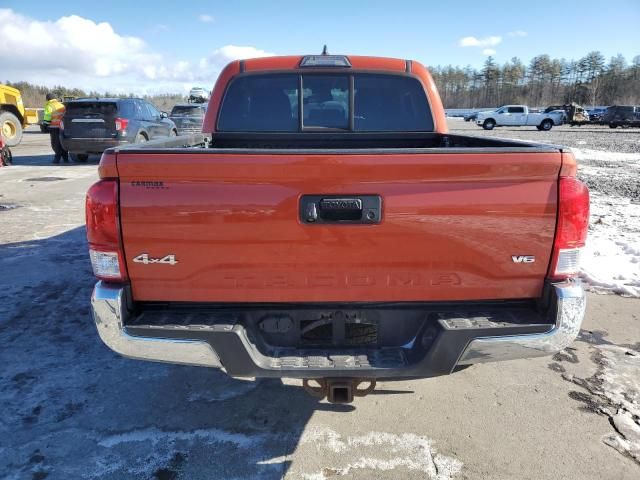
(293, 62)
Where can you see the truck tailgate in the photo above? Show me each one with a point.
(454, 226)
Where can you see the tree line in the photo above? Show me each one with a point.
(34, 96)
(589, 81)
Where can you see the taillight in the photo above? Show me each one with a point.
(571, 230)
(121, 124)
(103, 231)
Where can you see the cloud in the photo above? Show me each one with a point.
(78, 52)
(204, 18)
(235, 52)
(488, 51)
(517, 33)
(491, 41)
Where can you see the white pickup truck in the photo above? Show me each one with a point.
(518, 116)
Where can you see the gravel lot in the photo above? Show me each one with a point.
(74, 409)
(595, 137)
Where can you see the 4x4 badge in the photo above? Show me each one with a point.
(146, 259)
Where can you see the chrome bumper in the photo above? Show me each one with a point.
(571, 303)
(111, 307)
(110, 310)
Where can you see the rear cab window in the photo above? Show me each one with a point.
(188, 111)
(293, 102)
(325, 101)
(97, 108)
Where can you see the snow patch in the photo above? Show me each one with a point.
(582, 154)
(156, 436)
(611, 258)
(621, 386)
(621, 377)
(399, 451)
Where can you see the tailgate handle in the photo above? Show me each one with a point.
(340, 209)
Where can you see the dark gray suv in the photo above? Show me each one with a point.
(622, 116)
(91, 125)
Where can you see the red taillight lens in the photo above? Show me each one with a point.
(103, 234)
(121, 124)
(572, 227)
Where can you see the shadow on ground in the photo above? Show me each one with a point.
(74, 409)
(46, 160)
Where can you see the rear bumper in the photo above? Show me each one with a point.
(111, 309)
(225, 343)
(570, 307)
(189, 130)
(91, 145)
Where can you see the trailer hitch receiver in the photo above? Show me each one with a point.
(338, 390)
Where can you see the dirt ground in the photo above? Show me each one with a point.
(74, 409)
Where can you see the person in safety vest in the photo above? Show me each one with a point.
(53, 112)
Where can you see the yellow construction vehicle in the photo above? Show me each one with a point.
(13, 116)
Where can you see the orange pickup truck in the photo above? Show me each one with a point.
(327, 227)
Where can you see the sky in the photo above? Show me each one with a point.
(168, 46)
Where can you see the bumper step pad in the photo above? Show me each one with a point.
(312, 359)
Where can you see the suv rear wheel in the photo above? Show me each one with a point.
(141, 138)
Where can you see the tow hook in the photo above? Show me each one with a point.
(338, 390)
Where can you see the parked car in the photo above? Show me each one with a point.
(91, 125)
(518, 116)
(596, 114)
(336, 233)
(622, 116)
(470, 117)
(188, 117)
